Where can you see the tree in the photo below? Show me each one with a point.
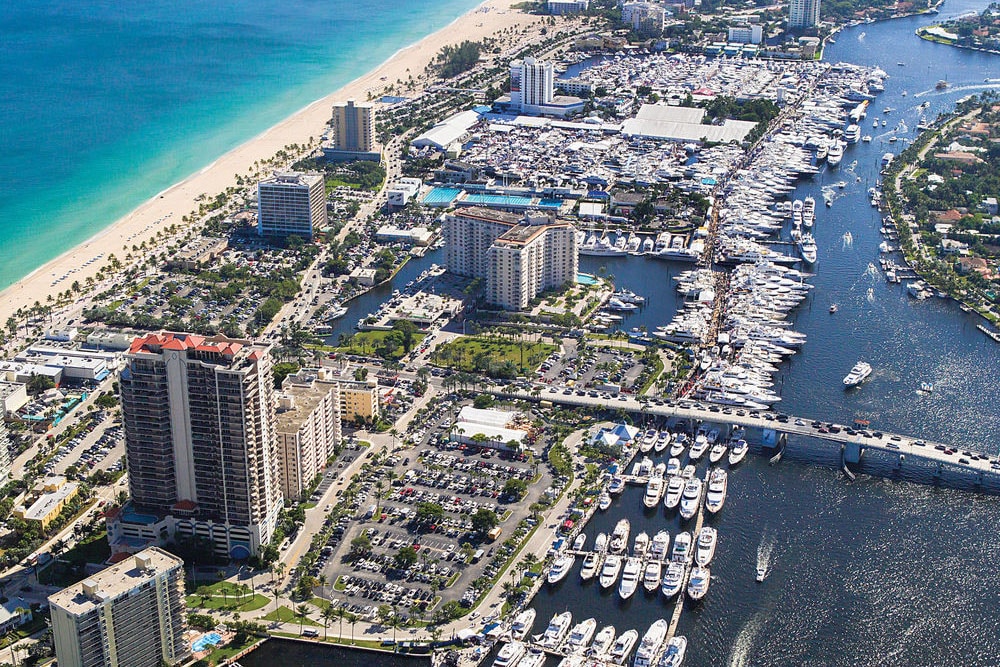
(360, 545)
(328, 614)
(429, 513)
(407, 329)
(405, 558)
(515, 488)
(484, 520)
(302, 611)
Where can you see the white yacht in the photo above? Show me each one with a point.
(674, 655)
(560, 568)
(591, 564)
(808, 248)
(609, 572)
(652, 575)
(662, 442)
(673, 466)
(651, 644)
(580, 636)
(335, 311)
(619, 538)
(699, 446)
(738, 452)
(630, 577)
(522, 624)
(682, 548)
(641, 545)
(718, 484)
(557, 630)
(852, 133)
(858, 374)
(691, 498)
(707, 539)
(698, 583)
(601, 543)
(680, 442)
(689, 472)
(673, 579)
(510, 654)
(620, 652)
(616, 486)
(660, 545)
(675, 487)
(835, 154)
(534, 658)
(580, 540)
(603, 641)
(654, 491)
(717, 452)
(604, 501)
(648, 441)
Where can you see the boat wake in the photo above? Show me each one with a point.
(764, 552)
(739, 656)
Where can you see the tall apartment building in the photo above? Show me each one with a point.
(131, 613)
(291, 203)
(4, 454)
(532, 83)
(516, 257)
(200, 444)
(646, 18)
(803, 13)
(308, 427)
(353, 127)
(746, 34)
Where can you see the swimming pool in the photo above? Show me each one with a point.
(206, 640)
(441, 196)
(585, 279)
(497, 200)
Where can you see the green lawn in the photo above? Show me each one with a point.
(366, 343)
(482, 353)
(227, 595)
(286, 615)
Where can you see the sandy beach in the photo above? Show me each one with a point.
(169, 206)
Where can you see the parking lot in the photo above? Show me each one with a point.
(603, 369)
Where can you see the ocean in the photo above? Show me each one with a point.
(105, 103)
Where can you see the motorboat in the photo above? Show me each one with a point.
(619, 538)
(604, 501)
(623, 646)
(678, 445)
(835, 153)
(651, 644)
(689, 472)
(673, 467)
(718, 484)
(580, 636)
(662, 442)
(616, 486)
(580, 540)
(717, 452)
(675, 488)
(660, 545)
(858, 374)
(738, 451)
(535, 657)
(652, 575)
(682, 548)
(591, 564)
(522, 624)
(609, 572)
(833, 308)
(630, 577)
(808, 248)
(648, 441)
(557, 630)
(603, 641)
(560, 568)
(601, 543)
(510, 654)
(641, 545)
(674, 655)
(699, 446)
(691, 498)
(697, 587)
(673, 580)
(654, 491)
(707, 539)
(335, 311)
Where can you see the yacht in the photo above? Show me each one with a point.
(619, 538)
(651, 644)
(534, 658)
(580, 540)
(691, 498)
(652, 575)
(660, 545)
(673, 467)
(682, 548)
(556, 632)
(698, 583)
(603, 641)
(620, 652)
(601, 543)
(609, 573)
(580, 636)
(648, 441)
(616, 486)
(674, 655)
(688, 472)
(699, 447)
(662, 442)
(560, 568)
(604, 501)
(807, 246)
(852, 134)
(630, 577)
(835, 154)
(510, 654)
(707, 539)
(641, 545)
(858, 374)
(675, 487)
(717, 452)
(654, 491)
(522, 624)
(673, 580)
(677, 448)
(718, 484)
(591, 564)
(738, 452)
(335, 311)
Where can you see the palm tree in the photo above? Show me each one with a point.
(353, 620)
(302, 611)
(328, 614)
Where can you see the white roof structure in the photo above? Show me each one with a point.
(448, 131)
(489, 423)
(683, 124)
(498, 418)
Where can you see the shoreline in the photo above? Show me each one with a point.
(168, 206)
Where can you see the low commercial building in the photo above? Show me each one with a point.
(402, 191)
(20, 371)
(418, 236)
(488, 428)
(13, 614)
(308, 427)
(199, 253)
(111, 339)
(13, 396)
(364, 277)
(51, 495)
(62, 335)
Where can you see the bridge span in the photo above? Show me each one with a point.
(852, 444)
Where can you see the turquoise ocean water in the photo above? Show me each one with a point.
(104, 104)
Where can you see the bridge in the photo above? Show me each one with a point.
(852, 444)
